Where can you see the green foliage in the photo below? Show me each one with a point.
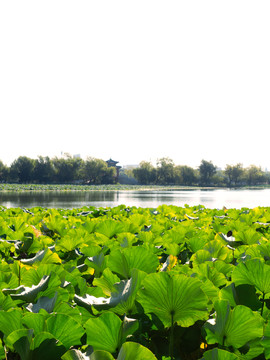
(207, 171)
(166, 283)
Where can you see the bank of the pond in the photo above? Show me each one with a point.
(110, 187)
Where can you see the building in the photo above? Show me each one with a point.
(113, 163)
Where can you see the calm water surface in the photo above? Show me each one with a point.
(76, 199)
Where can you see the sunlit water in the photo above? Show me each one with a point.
(77, 199)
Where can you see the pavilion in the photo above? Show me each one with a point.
(112, 163)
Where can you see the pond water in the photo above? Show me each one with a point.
(76, 199)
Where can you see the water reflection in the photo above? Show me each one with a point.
(75, 199)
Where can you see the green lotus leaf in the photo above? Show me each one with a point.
(123, 298)
(78, 355)
(2, 351)
(218, 250)
(252, 350)
(20, 341)
(135, 351)
(109, 228)
(87, 301)
(10, 321)
(229, 239)
(97, 262)
(129, 326)
(67, 309)
(46, 346)
(34, 321)
(75, 354)
(248, 236)
(33, 276)
(106, 281)
(44, 302)
(60, 326)
(28, 294)
(103, 333)
(6, 302)
(266, 341)
(241, 295)
(169, 297)
(233, 327)
(253, 272)
(47, 256)
(219, 354)
(123, 261)
(207, 271)
(197, 242)
(69, 242)
(202, 256)
(101, 355)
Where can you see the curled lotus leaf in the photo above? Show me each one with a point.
(28, 294)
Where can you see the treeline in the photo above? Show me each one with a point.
(68, 170)
(207, 174)
(62, 170)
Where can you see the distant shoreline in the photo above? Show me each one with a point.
(118, 187)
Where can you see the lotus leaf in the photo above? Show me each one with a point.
(106, 281)
(123, 298)
(253, 272)
(207, 271)
(241, 295)
(97, 262)
(123, 261)
(46, 346)
(59, 325)
(28, 294)
(266, 341)
(43, 303)
(87, 301)
(135, 351)
(219, 354)
(168, 297)
(233, 327)
(10, 321)
(104, 332)
(34, 321)
(2, 351)
(68, 242)
(109, 228)
(20, 340)
(78, 355)
(128, 351)
(46, 256)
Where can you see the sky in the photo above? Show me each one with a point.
(136, 80)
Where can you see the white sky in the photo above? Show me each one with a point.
(136, 80)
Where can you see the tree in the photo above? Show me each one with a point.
(254, 175)
(145, 173)
(66, 169)
(234, 174)
(185, 175)
(44, 171)
(4, 171)
(22, 169)
(206, 170)
(165, 171)
(96, 171)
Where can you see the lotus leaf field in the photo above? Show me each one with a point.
(135, 283)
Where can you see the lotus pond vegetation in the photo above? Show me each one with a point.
(135, 283)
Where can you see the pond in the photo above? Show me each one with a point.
(76, 199)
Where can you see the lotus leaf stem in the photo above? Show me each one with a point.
(263, 301)
(171, 343)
